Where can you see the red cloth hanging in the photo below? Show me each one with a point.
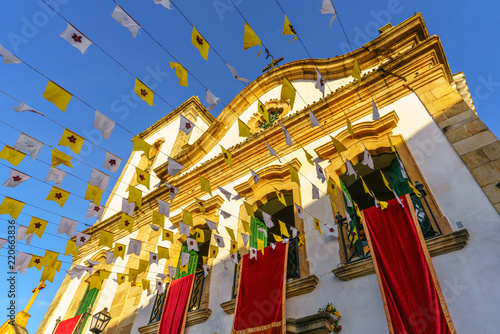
(173, 318)
(404, 274)
(68, 326)
(260, 305)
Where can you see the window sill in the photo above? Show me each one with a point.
(294, 288)
(437, 246)
(193, 318)
(320, 323)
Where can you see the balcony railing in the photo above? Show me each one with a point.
(194, 302)
(356, 246)
(293, 265)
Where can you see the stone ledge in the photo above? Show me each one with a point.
(320, 323)
(294, 288)
(437, 246)
(193, 318)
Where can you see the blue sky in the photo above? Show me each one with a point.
(31, 31)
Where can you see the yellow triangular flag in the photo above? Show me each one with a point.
(144, 92)
(385, 181)
(36, 226)
(294, 174)
(200, 43)
(181, 73)
(200, 235)
(146, 284)
(263, 111)
(234, 247)
(281, 197)
(244, 130)
(106, 239)
(260, 245)
(11, 155)
(158, 219)
(163, 253)
(213, 251)
(414, 189)
(249, 209)
(55, 94)
(49, 273)
(338, 145)
(205, 185)
(11, 206)
(383, 205)
(187, 218)
(365, 187)
(143, 177)
(349, 126)
(277, 238)
(143, 265)
(71, 248)
(356, 207)
(126, 222)
(317, 226)
(120, 278)
(288, 92)
(132, 274)
(50, 258)
(390, 142)
(356, 72)
(135, 195)
(58, 195)
(231, 233)
(140, 145)
(201, 204)
(93, 193)
(331, 187)
(288, 29)
(104, 274)
(167, 235)
(227, 156)
(119, 251)
(283, 229)
(246, 227)
(59, 157)
(302, 240)
(36, 261)
(308, 157)
(250, 39)
(95, 283)
(71, 140)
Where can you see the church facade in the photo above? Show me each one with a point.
(429, 141)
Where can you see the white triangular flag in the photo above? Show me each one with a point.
(172, 271)
(403, 171)
(288, 138)
(224, 214)
(164, 208)
(347, 199)
(206, 269)
(155, 228)
(331, 230)
(219, 240)
(315, 192)
(272, 151)
(350, 168)
(376, 115)
(127, 207)
(286, 240)
(2, 242)
(104, 124)
(15, 179)
(21, 234)
(295, 232)
(160, 286)
(153, 258)
(234, 73)
(173, 167)
(224, 192)
(273, 245)
(67, 226)
(109, 257)
(77, 271)
(95, 210)
(267, 220)
(253, 253)
(8, 58)
(299, 211)
(320, 84)
(164, 3)
(367, 159)
(111, 162)
(24, 107)
(31, 145)
(172, 191)
(234, 258)
(76, 38)
(397, 198)
(81, 238)
(327, 8)
(255, 176)
(125, 20)
(22, 262)
(185, 125)
(320, 173)
(212, 225)
(55, 175)
(162, 277)
(263, 231)
(185, 258)
(211, 99)
(192, 245)
(184, 229)
(313, 119)
(99, 179)
(134, 247)
(245, 238)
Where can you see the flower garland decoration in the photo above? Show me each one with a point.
(332, 311)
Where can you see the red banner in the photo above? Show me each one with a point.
(260, 304)
(173, 318)
(68, 326)
(406, 278)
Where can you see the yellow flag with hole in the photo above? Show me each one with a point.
(55, 94)
(11, 206)
(59, 157)
(143, 177)
(294, 174)
(126, 222)
(288, 92)
(251, 39)
(119, 251)
(288, 29)
(58, 195)
(71, 248)
(93, 193)
(163, 253)
(71, 140)
(106, 239)
(135, 195)
(36, 226)
(181, 73)
(227, 157)
(187, 218)
(356, 72)
(141, 146)
(200, 43)
(263, 111)
(120, 278)
(317, 225)
(158, 219)
(308, 157)
(244, 130)
(50, 258)
(201, 204)
(144, 92)
(205, 185)
(11, 155)
(283, 229)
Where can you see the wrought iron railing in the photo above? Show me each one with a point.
(355, 247)
(194, 302)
